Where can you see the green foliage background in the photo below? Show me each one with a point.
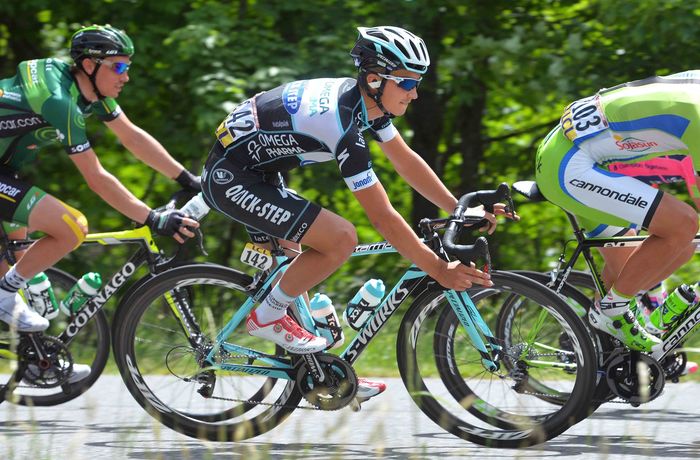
(502, 72)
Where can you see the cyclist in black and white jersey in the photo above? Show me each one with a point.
(312, 121)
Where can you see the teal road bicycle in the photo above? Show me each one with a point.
(183, 351)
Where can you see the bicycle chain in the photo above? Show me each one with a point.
(260, 403)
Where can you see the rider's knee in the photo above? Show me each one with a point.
(677, 221)
(76, 225)
(344, 239)
(687, 222)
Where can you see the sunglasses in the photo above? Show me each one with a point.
(405, 83)
(117, 67)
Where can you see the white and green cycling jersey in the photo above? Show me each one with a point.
(629, 123)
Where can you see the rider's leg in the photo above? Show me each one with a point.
(616, 258)
(330, 240)
(668, 247)
(14, 233)
(65, 229)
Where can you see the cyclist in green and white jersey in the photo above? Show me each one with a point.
(48, 101)
(632, 122)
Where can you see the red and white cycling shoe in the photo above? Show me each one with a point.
(286, 333)
(367, 389)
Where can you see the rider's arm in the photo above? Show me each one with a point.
(394, 228)
(144, 146)
(417, 173)
(108, 187)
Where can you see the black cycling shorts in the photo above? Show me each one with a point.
(259, 200)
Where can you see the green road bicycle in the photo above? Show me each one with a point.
(619, 376)
(183, 351)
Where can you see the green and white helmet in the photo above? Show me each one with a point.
(390, 48)
(100, 42)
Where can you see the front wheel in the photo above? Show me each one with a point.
(442, 369)
(171, 323)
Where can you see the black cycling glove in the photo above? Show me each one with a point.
(165, 223)
(189, 181)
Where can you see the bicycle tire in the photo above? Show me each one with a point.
(578, 283)
(176, 403)
(427, 346)
(91, 346)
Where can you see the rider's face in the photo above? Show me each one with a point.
(109, 81)
(396, 99)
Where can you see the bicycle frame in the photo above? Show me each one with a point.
(583, 247)
(461, 303)
(147, 252)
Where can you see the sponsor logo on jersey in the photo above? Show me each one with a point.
(19, 123)
(361, 181)
(321, 103)
(273, 145)
(11, 95)
(80, 147)
(291, 96)
(252, 204)
(632, 144)
(300, 232)
(222, 176)
(342, 157)
(609, 193)
(280, 124)
(9, 190)
(33, 71)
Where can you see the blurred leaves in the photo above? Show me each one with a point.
(502, 72)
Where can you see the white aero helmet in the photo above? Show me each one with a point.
(391, 48)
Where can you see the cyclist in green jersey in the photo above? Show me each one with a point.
(630, 123)
(47, 101)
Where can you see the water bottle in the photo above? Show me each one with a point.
(196, 208)
(81, 291)
(675, 304)
(361, 307)
(326, 320)
(43, 298)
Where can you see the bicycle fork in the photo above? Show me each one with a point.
(476, 327)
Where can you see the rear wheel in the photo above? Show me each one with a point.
(165, 369)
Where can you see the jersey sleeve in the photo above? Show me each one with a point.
(64, 114)
(382, 129)
(106, 109)
(354, 161)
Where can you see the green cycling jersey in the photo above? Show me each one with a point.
(41, 104)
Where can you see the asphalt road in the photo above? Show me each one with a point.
(106, 423)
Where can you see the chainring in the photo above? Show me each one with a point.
(674, 365)
(336, 392)
(625, 381)
(49, 371)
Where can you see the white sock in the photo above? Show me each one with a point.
(11, 282)
(614, 303)
(274, 306)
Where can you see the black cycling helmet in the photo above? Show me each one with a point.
(390, 48)
(99, 42)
